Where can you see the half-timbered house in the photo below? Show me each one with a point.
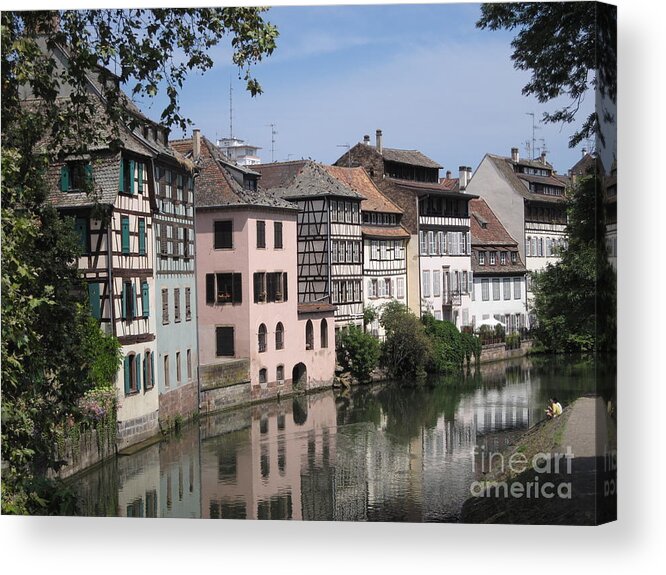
(330, 258)
(384, 243)
(255, 340)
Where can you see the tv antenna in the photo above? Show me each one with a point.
(273, 134)
(348, 153)
(543, 149)
(534, 127)
(231, 111)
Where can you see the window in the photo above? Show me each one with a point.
(189, 364)
(374, 250)
(132, 372)
(262, 338)
(223, 236)
(142, 237)
(188, 304)
(482, 258)
(224, 288)
(485, 293)
(436, 283)
(224, 341)
(93, 299)
(176, 305)
(163, 239)
(432, 248)
(277, 235)
(186, 242)
(388, 288)
(261, 234)
(279, 336)
(127, 179)
(423, 243)
(167, 382)
(334, 252)
(125, 235)
(503, 258)
(426, 284)
(506, 286)
(516, 288)
(270, 287)
(334, 211)
(374, 290)
(309, 335)
(178, 369)
(356, 252)
(400, 288)
(323, 333)
(148, 370)
(165, 306)
(75, 177)
(279, 376)
(128, 299)
(493, 258)
(496, 289)
(465, 286)
(514, 257)
(528, 245)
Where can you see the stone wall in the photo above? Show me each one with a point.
(83, 452)
(498, 352)
(136, 430)
(182, 401)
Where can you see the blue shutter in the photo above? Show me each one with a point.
(137, 359)
(126, 369)
(145, 299)
(121, 176)
(64, 178)
(125, 234)
(93, 297)
(131, 177)
(142, 237)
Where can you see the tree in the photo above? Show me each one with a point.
(575, 299)
(358, 352)
(51, 351)
(406, 351)
(568, 47)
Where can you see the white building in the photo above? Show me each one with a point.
(240, 152)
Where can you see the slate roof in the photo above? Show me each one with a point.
(411, 157)
(519, 181)
(302, 179)
(430, 188)
(359, 180)
(216, 187)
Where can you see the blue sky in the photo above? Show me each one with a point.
(423, 74)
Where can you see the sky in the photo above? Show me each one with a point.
(423, 74)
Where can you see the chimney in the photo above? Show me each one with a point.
(584, 152)
(196, 144)
(462, 183)
(379, 141)
(448, 174)
(543, 158)
(366, 140)
(469, 174)
(515, 156)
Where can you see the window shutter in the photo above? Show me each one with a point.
(81, 229)
(152, 369)
(131, 177)
(93, 297)
(88, 171)
(137, 359)
(126, 370)
(125, 234)
(210, 288)
(142, 237)
(139, 166)
(133, 301)
(145, 299)
(64, 178)
(121, 176)
(284, 286)
(237, 288)
(257, 287)
(123, 311)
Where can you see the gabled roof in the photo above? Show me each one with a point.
(359, 180)
(411, 157)
(301, 179)
(452, 184)
(519, 182)
(431, 188)
(216, 187)
(485, 227)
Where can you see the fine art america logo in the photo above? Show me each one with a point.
(555, 466)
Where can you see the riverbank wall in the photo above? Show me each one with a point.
(499, 352)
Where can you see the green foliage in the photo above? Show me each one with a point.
(447, 342)
(358, 352)
(52, 351)
(575, 300)
(407, 350)
(471, 347)
(512, 341)
(567, 47)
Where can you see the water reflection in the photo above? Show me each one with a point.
(382, 453)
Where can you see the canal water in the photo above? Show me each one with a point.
(377, 453)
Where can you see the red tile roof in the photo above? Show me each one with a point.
(359, 180)
(392, 232)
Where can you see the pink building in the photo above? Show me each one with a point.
(255, 340)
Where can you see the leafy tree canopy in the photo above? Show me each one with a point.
(568, 47)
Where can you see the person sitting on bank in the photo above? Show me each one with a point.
(554, 409)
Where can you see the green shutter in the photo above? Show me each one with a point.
(137, 359)
(132, 163)
(81, 229)
(88, 170)
(64, 178)
(126, 369)
(140, 168)
(123, 311)
(145, 299)
(142, 237)
(125, 231)
(121, 176)
(133, 302)
(93, 297)
(152, 370)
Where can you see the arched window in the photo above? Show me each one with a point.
(309, 335)
(324, 333)
(279, 374)
(279, 336)
(263, 375)
(262, 338)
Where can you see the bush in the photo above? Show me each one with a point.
(447, 343)
(358, 352)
